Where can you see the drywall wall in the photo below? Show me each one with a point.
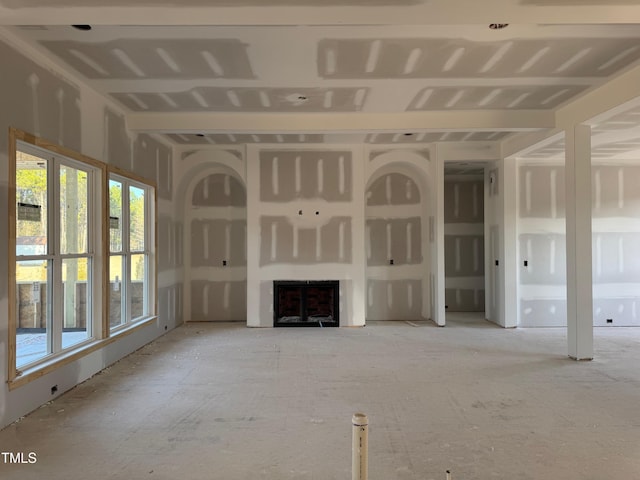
(464, 243)
(304, 222)
(541, 238)
(302, 217)
(218, 257)
(38, 99)
(396, 235)
(211, 197)
(541, 243)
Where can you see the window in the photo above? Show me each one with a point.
(81, 256)
(131, 259)
(55, 266)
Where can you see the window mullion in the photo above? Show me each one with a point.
(126, 271)
(57, 305)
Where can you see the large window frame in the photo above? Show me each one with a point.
(124, 283)
(95, 256)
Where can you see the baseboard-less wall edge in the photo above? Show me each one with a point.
(61, 361)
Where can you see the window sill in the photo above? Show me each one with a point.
(47, 366)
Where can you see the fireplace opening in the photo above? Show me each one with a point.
(305, 303)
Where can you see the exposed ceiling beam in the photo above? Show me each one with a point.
(507, 120)
(619, 93)
(353, 12)
(522, 144)
(180, 85)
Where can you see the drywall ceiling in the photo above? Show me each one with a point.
(615, 139)
(260, 71)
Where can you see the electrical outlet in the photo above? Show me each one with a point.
(54, 389)
(391, 262)
(526, 263)
(609, 320)
(224, 263)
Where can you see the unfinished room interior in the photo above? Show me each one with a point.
(230, 225)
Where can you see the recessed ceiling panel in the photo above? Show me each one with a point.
(474, 98)
(464, 168)
(444, 58)
(432, 137)
(156, 58)
(233, 138)
(577, 3)
(220, 99)
(621, 121)
(207, 3)
(554, 149)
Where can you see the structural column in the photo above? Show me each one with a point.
(508, 180)
(253, 239)
(437, 247)
(579, 253)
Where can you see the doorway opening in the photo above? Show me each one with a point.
(464, 239)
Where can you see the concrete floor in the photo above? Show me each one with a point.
(220, 401)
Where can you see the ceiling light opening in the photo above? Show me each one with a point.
(84, 28)
(408, 134)
(498, 26)
(199, 134)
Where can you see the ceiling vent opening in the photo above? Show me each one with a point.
(84, 28)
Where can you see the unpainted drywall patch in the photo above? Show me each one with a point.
(134, 58)
(165, 247)
(17, 4)
(396, 241)
(218, 300)
(170, 305)
(542, 192)
(285, 243)
(464, 202)
(461, 58)
(219, 190)
(266, 303)
(186, 153)
(153, 159)
(616, 312)
(575, 3)
(241, 138)
(179, 250)
(615, 192)
(615, 258)
(546, 258)
(118, 144)
(532, 97)
(289, 175)
(146, 156)
(464, 244)
(218, 243)
(38, 102)
(393, 189)
(544, 312)
(394, 300)
(247, 99)
(464, 299)
(464, 256)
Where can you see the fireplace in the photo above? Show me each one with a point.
(306, 303)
